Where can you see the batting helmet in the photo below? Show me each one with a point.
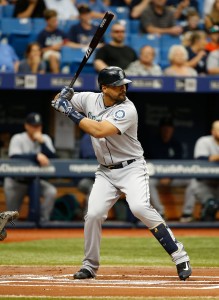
(114, 76)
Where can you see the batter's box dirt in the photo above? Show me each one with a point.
(110, 281)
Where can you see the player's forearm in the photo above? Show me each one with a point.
(97, 129)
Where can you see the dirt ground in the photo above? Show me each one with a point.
(110, 281)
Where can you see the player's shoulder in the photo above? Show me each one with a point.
(126, 108)
(128, 104)
(205, 139)
(19, 135)
(18, 138)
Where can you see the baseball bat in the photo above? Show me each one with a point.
(93, 44)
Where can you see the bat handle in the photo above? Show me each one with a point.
(72, 82)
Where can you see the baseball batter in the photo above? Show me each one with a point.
(112, 121)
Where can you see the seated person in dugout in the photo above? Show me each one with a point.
(35, 146)
(206, 191)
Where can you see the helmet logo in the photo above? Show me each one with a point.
(121, 74)
(119, 114)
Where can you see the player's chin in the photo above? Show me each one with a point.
(122, 97)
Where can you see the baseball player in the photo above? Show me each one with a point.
(5, 217)
(112, 121)
(33, 145)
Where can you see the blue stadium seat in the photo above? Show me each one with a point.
(166, 41)
(38, 25)
(134, 26)
(121, 12)
(18, 32)
(16, 26)
(201, 8)
(71, 58)
(20, 42)
(139, 40)
(8, 11)
(65, 25)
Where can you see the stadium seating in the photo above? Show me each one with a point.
(18, 33)
(38, 25)
(72, 57)
(16, 26)
(7, 11)
(201, 8)
(134, 26)
(65, 25)
(166, 41)
(121, 12)
(20, 42)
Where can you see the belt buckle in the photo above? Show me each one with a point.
(110, 167)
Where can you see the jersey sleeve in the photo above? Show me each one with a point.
(80, 101)
(123, 118)
(15, 146)
(201, 149)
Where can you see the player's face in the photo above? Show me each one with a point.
(113, 94)
(31, 130)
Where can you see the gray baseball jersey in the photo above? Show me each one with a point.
(206, 146)
(22, 144)
(117, 148)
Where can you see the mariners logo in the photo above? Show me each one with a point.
(119, 114)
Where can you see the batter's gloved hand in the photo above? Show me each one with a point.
(62, 105)
(67, 93)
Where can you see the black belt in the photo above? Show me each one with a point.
(121, 165)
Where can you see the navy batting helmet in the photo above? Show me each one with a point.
(114, 76)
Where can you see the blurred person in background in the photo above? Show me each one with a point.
(182, 8)
(66, 9)
(165, 145)
(9, 61)
(29, 8)
(178, 57)
(51, 40)
(197, 52)
(33, 62)
(115, 52)
(192, 22)
(4, 2)
(213, 62)
(207, 6)
(159, 19)
(36, 146)
(145, 65)
(212, 18)
(81, 34)
(213, 39)
(97, 7)
(206, 190)
(136, 7)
